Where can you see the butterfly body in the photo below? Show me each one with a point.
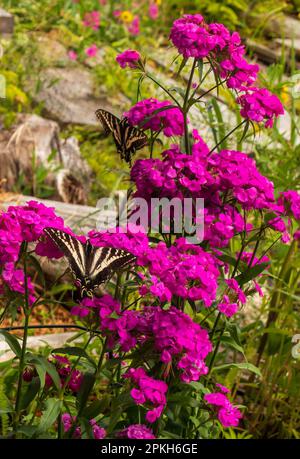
(91, 266)
(127, 138)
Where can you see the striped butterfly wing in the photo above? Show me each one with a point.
(72, 249)
(127, 138)
(90, 265)
(108, 120)
(105, 261)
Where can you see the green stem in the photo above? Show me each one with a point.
(185, 108)
(24, 346)
(163, 88)
(227, 135)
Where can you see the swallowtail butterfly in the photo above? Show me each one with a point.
(91, 266)
(127, 138)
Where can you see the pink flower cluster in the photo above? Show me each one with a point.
(259, 104)
(92, 20)
(148, 391)
(128, 58)
(64, 369)
(195, 38)
(216, 178)
(153, 11)
(138, 432)
(177, 337)
(68, 422)
(289, 202)
(231, 299)
(131, 238)
(183, 269)
(14, 279)
(174, 335)
(24, 224)
(149, 114)
(228, 414)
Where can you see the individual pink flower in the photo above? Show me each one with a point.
(153, 11)
(92, 51)
(223, 389)
(134, 27)
(227, 307)
(72, 55)
(128, 58)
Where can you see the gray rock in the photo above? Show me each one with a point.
(68, 95)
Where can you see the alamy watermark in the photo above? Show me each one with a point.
(159, 215)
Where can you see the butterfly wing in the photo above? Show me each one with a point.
(90, 265)
(132, 139)
(72, 249)
(105, 261)
(108, 120)
(127, 138)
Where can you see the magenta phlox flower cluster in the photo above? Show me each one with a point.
(92, 19)
(177, 337)
(63, 366)
(131, 238)
(138, 432)
(195, 38)
(14, 279)
(147, 391)
(259, 104)
(184, 269)
(228, 414)
(68, 422)
(289, 202)
(128, 58)
(148, 114)
(25, 224)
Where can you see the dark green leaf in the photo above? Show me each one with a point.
(30, 393)
(49, 416)
(85, 389)
(13, 342)
(240, 366)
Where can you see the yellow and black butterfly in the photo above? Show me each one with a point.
(127, 138)
(91, 266)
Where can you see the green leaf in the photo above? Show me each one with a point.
(251, 273)
(182, 65)
(42, 367)
(240, 366)
(85, 389)
(13, 342)
(49, 416)
(95, 408)
(73, 350)
(232, 343)
(30, 393)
